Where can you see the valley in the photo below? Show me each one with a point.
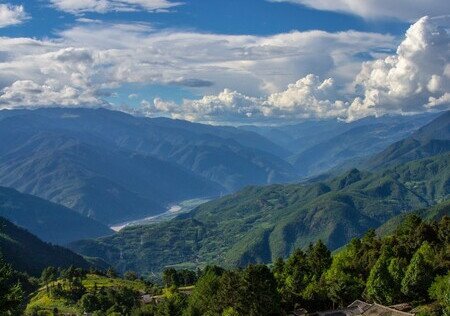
(224, 158)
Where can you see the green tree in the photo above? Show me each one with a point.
(260, 290)
(49, 275)
(111, 273)
(419, 274)
(11, 293)
(380, 286)
(130, 275)
(231, 292)
(230, 311)
(171, 277)
(319, 259)
(440, 291)
(203, 298)
(89, 303)
(297, 275)
(343, 280)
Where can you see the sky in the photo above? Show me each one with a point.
(228, 62)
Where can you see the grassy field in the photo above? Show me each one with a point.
(41, 300)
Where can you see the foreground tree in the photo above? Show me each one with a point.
(440, 291)
(11, 294)
(419, 275)
(380, 285)
(260, 291)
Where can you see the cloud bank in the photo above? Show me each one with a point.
(261, 73)
(11, 15)
(407, 10)
(414, 80)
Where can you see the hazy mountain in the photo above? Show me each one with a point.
(113, 166)
(431, 139)
(27, 253)
(258, 224)
(319, 146)
(50, 222)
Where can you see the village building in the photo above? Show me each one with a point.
(360, 308)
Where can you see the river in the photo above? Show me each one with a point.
(172, 211)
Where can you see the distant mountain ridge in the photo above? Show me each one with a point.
(50, 222)
(431, 139)
(114, 167)
(319, 146)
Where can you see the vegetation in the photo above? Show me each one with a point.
(27, 253)
(410, 265)
(75, 290)
(429, 140)
(260, 224)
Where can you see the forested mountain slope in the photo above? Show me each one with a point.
(50, 222)
(259, 224)
(27, 253)
(431, 139)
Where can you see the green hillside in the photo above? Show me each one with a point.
(48, 221)
(434, 213)
(45, 300)
(431, 139)
(27, 253)
(259, 224)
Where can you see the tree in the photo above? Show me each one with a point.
(204, 296)
(419, 274)
(48, 275)
(319, 259)
(343, 280)
(440, 291)
(11, 293)
(231, 292)
(171, 277)
(297, 275)
(130, 275)
(278, 270)
(380, 286)
(230, 311)
(111, 273)
(260, 290)
(89, 302)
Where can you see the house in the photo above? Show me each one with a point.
(360, 308)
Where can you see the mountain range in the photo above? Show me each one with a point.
(113, 167)
(261, 223)
(317, 147)
(76, 170)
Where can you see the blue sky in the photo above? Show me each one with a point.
(215, 60)
(257, 17)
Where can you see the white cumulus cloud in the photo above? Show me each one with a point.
(415, 79)
(309, 97)
(11, 15)
(240, 78)
(415, 76)
(407, 10)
